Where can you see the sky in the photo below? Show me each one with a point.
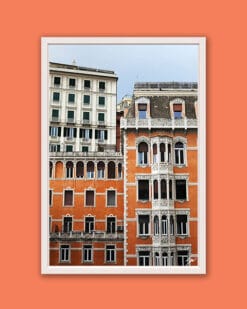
(133, 63)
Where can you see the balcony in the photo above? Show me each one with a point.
(159, 123)
(90, 154)
(55, 119)
(162, 203)
(164, 240)
(70, 120)
(95, 235)
(163, 168)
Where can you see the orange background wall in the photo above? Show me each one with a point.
(22, 25)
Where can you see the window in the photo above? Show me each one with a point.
(110, 253)
(142, 153)
(50, 169)
(183, 256)
(54, 131)
(89, 198)
(84, 149)
(101, 170)
(155, 156)
(69, 169)
(102, 86)
(119, 170)
(72, 82)
(111, 225)
(101, 135)
(70, 132)
(181, 191)
(182, 224)
(79, 169)
(143, 190)
(57, 81)
(143, 225)
(170, 190)
(71, 98)
(101, 117)
(164, 259)
(111, 170)
(155, 189)
(144, 258)
(111, 198)
(156, 259)
(179, 153)
(102, 101)
(69, 148)
(171, 225)
(86, 99)
(54, 148)
(86, 117)
(89, 224)
(164, 225)
(64, 253)
(56, 96)
(87, 253)
(68, 198)
(163, 189)
(162, 152)
(177, 111)
(87, 84)
(55, 115)
(86, 134)
(156, 225)
(67, 224)
(50, 197)
(90, 169)
(142, 111)
(70, 116)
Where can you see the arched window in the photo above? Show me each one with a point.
(50, 169)
(155, 189)
(111, 170)
(164, 225)
(162, 152)
(156, 259)
(156, 225)
(79, 169)
(90, 169)
(163, 189)
(155, 155)
(179, 153)
(69, 169)
(119, 170)
(164, 259)
(59, 170)
(101, 170)
(142, 153)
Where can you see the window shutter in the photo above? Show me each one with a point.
(142, 107)
(75, 132)
(155, 149)
(49, 131)
(55, 113)
(71, 114)
(177, 107)
(58, 148)
(80, 133)
(90, 133)
(105, 134)
(96, 134)
(59, 131)
(64, 132)
(101, 117)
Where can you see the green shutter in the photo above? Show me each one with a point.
(101, 117)
(86, 115)
(55, 113)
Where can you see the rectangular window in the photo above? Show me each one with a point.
(86, 99)
(68, 198)
(86, 117)
(142, 111)
(183, 258)
(181, 192)
(89, 224)
(54, 131)
(89, 198)
(55, 115)
(144, 258)
(71, 98)
(177, 111)
(64, 253)
(56, 96)
(101, 85)
(87, 84)
(50, 197)
(182, 224)
(102, 101)
(111, 225)
(101, 117)
(67, 224)
(72, 82)
(84, 149)
(54, 148)
(57, 81)
(110, 253)
(70, 116)
(87, 253)
(111, 198)
(143, 190)
(69, 148)
(143, 225)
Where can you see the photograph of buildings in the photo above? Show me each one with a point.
(123, 168)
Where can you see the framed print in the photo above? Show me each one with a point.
(123, 155)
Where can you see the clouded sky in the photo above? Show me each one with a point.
(133, 63)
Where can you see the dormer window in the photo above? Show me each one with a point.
(142, 111)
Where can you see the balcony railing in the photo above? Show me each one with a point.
(88, 154)
(78, 235)
(162, 203)
(158, 123)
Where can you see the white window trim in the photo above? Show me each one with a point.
(94, 222)
(60, 253)
(110, 206)
(73, 197)
(94, 197)
(115, 254)
(92, 254)
(72, 221)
